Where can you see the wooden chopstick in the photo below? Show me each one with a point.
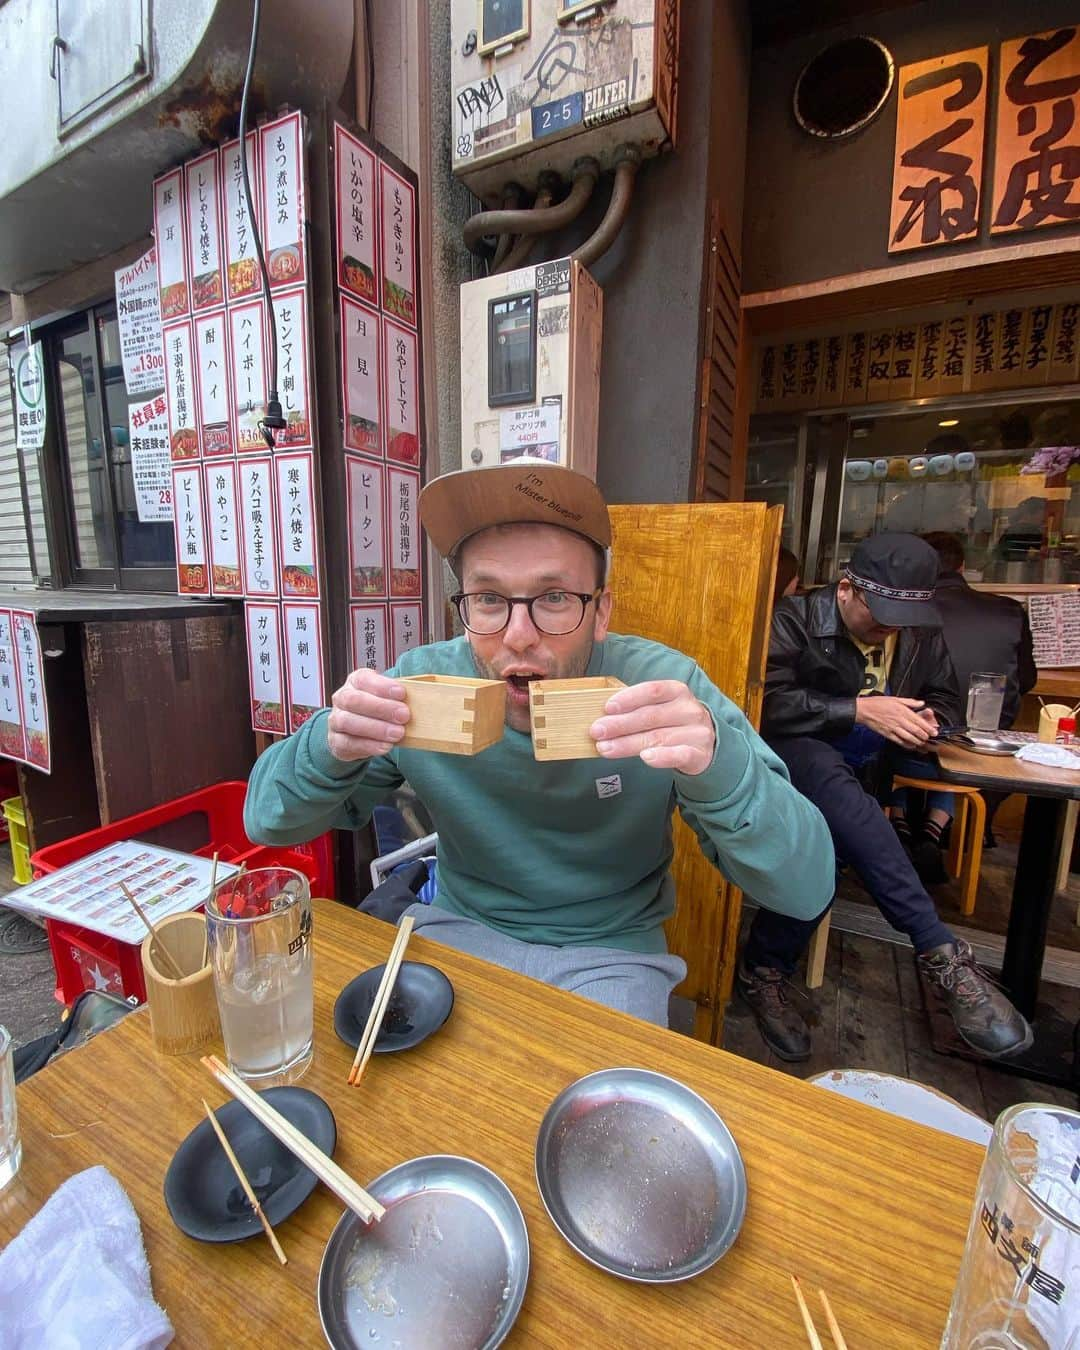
(349, 1192)
(382, 1000)
(808, 1321)
(834, 1327)
(158, 943)
(252, 1200)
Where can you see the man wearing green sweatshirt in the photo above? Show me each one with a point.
(558, 869)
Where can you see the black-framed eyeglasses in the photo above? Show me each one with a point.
(554, 613)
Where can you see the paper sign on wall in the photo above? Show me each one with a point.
(223, 528)
(212, 371)
(290, 316)
(303, 662)
(265, 675)
(297, 543)
(12, 740)
(192, 573)
(258, 529)
(1055, 629)
(356, 215)
(169, 244)
(148, 437)
(204, 232)
(360, 377)
(404, 533)
(33, 703)
(241, 264)
(368, 623)
(180, 391)
(138, 314)
(367, 550)
(283, 199)
(529, 431)
(397, 215)
(402, 400)
(406, 628)
(30, 401)
(247, 353)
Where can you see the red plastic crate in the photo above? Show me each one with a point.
(205, 822)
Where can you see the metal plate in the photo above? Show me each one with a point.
(640, 1175)
(447, 1266)
(983, 743)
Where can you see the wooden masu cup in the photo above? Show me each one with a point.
(183, 1013)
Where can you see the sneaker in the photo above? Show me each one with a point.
(782, 1027)
(928, 863)
(984, 1017)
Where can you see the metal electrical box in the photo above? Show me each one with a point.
(539, 83)
(530, 366)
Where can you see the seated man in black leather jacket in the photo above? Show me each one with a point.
(854, 667)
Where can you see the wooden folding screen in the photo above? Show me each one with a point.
(699, 577)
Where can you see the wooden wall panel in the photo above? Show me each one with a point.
(699, 578)
(719, 463)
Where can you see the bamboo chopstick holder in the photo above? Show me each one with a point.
(178, 974)
(349, 1192)
(245, 1184)
(381, 1001)
(808, 1321)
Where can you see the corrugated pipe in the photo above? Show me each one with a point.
(513, 196)
(525, 243)
(484, 223)
(627, 160)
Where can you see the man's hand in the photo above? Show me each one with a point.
(905, 721)
(662, 722)
(367, 718)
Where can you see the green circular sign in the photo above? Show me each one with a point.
(28, 379)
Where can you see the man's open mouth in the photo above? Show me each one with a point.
(521, 681)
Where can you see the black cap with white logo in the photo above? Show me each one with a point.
(896, 574)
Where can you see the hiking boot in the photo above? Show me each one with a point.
(928, 863)
(984, 1017)
(782, 1027)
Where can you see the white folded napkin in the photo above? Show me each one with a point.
(1050, 756)
(77, 1278)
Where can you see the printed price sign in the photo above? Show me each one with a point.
(138, 313)
(148, 436)
(265, 674)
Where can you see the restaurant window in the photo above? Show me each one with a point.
(98, 528)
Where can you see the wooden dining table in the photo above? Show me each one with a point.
(871, 1208)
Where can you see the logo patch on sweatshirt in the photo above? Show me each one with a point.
(609, 787)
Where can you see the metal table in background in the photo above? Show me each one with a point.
(1048, 791)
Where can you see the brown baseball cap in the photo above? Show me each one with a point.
(522, 491)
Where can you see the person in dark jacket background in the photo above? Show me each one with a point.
(854, 668)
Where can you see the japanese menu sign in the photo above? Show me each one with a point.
(360, 377)
(369, 649)
(367, 550)
(297, 543)
(223, 528)
(1037, 146)
(247, 350)
(938, 165)
(404, 533)
(290, 318)
(88, 892)
(32, 701)
(148, 437)
(169, 244)
(282, 170)
(180, 391)
(192, 574)
(204, 232)
(212, 371)
(406, 624)
(12, 739)
(397, 210)
(265, 672)
(357, 262)
(138, 313)
(303, 662)
(258, 527)
(1055, 629)
(241, 263)
(402, 396)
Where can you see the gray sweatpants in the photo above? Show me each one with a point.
(639, 983)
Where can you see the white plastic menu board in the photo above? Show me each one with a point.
(290, 326)
(88, 892)
(282, 164)
(192, 573)
(258, 527)
(402, 393)
(297, 543)
(180, 391)
(356, 216)
(241, 263)
(169, 244)
(360, 376)
(223, 528)
(266, 678)
(369, 648)
(212, 371)
(406, 625)
(398, 211)
(1055, 628)
(367, 544)
(204, 232)
(303, 662)
(404, 533)
(247, 351)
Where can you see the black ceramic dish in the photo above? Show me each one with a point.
(202, 1192)
(420, 1003)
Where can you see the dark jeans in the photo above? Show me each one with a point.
(863, 839)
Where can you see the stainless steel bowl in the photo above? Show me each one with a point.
(447, 1266)
(640, 1175)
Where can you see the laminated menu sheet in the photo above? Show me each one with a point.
(1055, 628)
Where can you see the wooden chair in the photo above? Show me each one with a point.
(963, 860)
(699, 578)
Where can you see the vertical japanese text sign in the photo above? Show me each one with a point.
(938, 163)
(281, 160)
(258, 527)
(169, 243)
(241, 264)
(369, 637)
(367, 550)
(1037, 150)
(297, 542)
(398, 209)
(12, 740)
(180, 391)
(357, 260)
(204, 232)
(35, 708)
(303, 662)
(223, 528)
(192, 574)
(265, 674)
